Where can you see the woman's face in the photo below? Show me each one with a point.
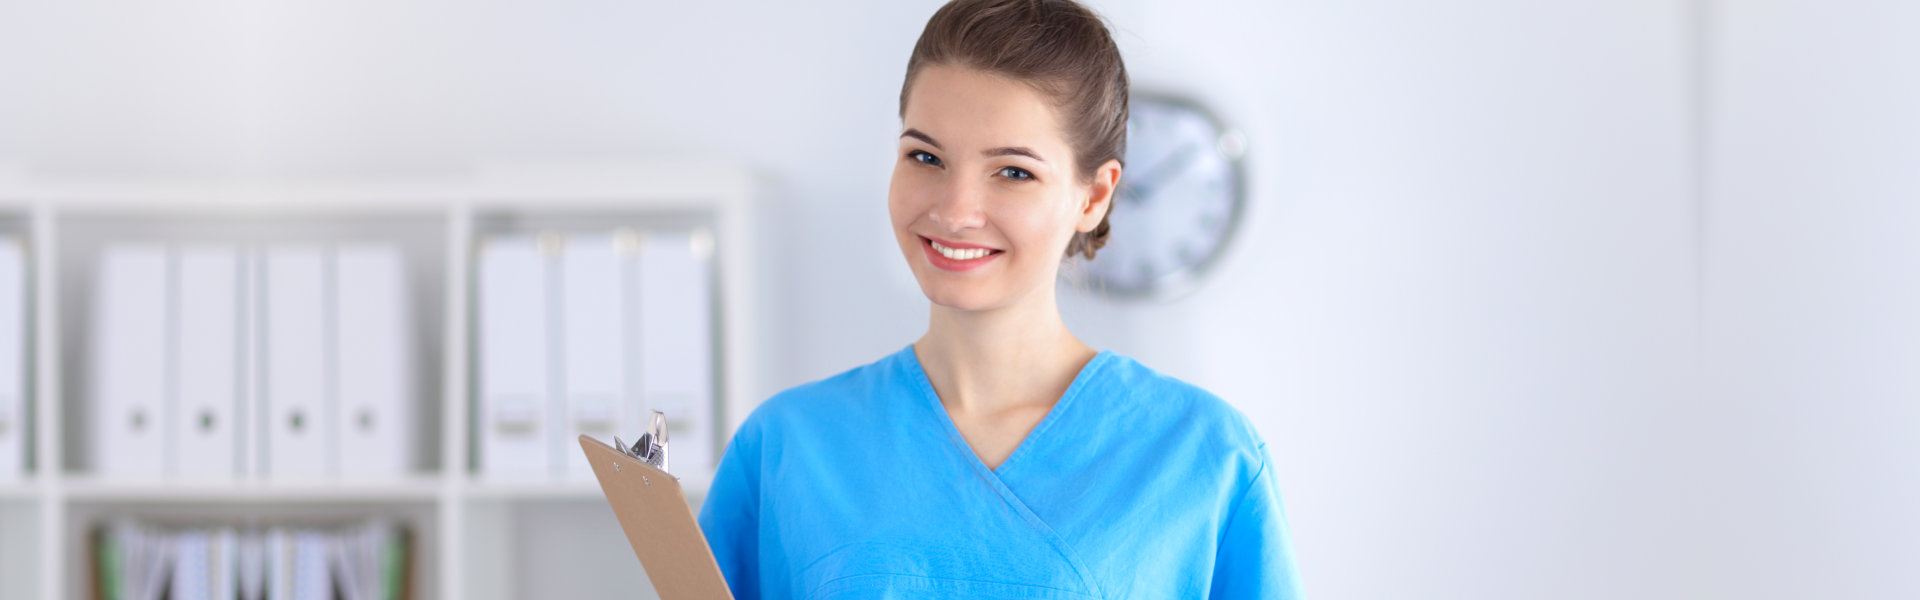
(985, 196)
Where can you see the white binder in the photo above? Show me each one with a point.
(595, 316)
(280, 564)
(225, 564)
(513, 312)
(374, 363)
(250, 563)
(251, 410)
(13, 364)
(311, 578)
(676, 329)
(206, 358)
(192, 565)
(129, 353)
(299, 419)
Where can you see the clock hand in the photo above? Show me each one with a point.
(1143, 187)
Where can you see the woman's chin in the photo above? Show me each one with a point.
(965, 297)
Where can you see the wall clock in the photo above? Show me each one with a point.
(1179, 202)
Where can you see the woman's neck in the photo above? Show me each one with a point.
(985, 362)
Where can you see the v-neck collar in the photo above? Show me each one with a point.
(911, 359)
(930, 400)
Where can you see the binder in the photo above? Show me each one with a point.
(252, 566)
(595, 315)
(374, 363)
(311, 578)
(192, 565)
(144, 557)
(224, 566)
(676, 328)
(280, 563)
(13, 364)
(206, 357)
(132, 301)
(250, 408)
(513, 416)
(299, 415)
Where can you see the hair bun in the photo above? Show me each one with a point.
(1086, 243)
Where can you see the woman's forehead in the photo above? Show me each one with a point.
(968, 108)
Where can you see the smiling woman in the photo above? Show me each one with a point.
(982, 167)
(999, 456)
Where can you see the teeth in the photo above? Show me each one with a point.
(960, 254)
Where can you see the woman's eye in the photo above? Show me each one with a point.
(923, 157)
(1015, 173)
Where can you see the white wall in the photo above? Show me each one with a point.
(1466, 297)
(1813, 296)
(1467, 308)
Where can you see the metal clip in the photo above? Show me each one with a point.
(652, 447)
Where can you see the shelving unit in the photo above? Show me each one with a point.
(475, 539)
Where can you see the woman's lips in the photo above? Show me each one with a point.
(958, 257)
(957, 245)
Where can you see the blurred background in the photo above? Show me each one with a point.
(1570, 299)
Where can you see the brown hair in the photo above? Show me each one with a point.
(1061, 49)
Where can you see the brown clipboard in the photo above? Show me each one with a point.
(659, 523)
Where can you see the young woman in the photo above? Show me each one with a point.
(998, 456)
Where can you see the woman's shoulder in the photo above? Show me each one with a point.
(828, 400)
(1146, 395)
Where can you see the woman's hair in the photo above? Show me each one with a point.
(1060, 48)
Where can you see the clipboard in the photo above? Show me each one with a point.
(659, 523)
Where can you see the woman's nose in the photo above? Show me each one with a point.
(960, 207)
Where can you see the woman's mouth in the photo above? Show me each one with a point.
(957, 257)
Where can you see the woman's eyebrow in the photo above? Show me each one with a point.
(915, 134)
(1014, 151)
(1003, 151)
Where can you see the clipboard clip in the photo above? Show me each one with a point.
(652, 447)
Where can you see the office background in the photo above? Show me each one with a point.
(1572, 299)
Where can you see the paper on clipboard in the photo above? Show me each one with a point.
(653, 510)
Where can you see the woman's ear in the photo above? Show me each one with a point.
(1099, 196)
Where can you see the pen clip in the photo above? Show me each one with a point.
(652, 447)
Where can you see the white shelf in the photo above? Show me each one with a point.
(620, 187)
(476, 535)
(26, 489)
(694, 487)
(416, 490)
(570, 490)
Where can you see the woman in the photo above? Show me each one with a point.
(998, 456)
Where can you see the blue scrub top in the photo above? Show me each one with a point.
(1135, 485)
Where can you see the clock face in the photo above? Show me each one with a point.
(1180, 197)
